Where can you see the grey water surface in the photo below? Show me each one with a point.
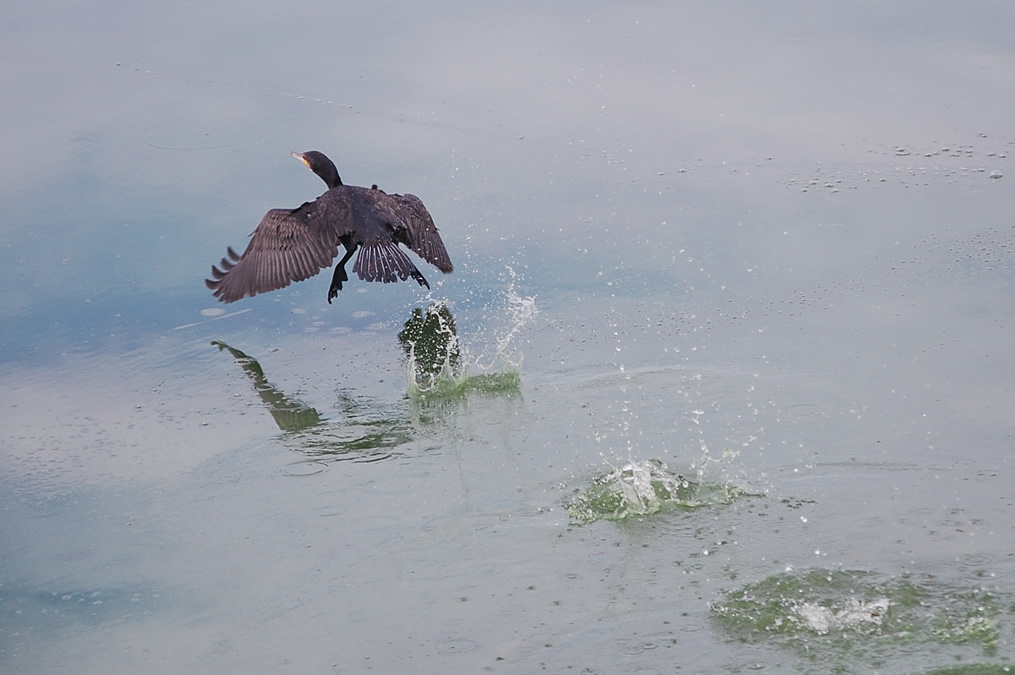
(767, 245)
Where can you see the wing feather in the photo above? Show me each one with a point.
(288, 245)
(421, 235)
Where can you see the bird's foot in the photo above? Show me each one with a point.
(336, 282)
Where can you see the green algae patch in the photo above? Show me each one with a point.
(849, 614)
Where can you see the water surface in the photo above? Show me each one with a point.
(766, 248)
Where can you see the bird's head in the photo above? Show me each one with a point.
(319, 163)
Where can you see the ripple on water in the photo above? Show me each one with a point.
(456, 645)
(805, 410)
(182, 136)
(304, 468)
(975, 560)
(981, 567)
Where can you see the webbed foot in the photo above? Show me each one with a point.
(336, 282)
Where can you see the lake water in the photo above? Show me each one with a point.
(734, 294)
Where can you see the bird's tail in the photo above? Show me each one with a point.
(385, 262)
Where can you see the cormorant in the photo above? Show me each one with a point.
(295, 244)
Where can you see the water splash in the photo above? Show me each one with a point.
(641, 488)
(438, 367)
(432, 349)
(851, 614)
(521, 309)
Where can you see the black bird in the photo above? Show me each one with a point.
(295, 244)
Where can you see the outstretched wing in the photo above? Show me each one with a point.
(289, 245)
(420, 234)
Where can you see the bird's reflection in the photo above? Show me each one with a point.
(290, 414)
(369, 429)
